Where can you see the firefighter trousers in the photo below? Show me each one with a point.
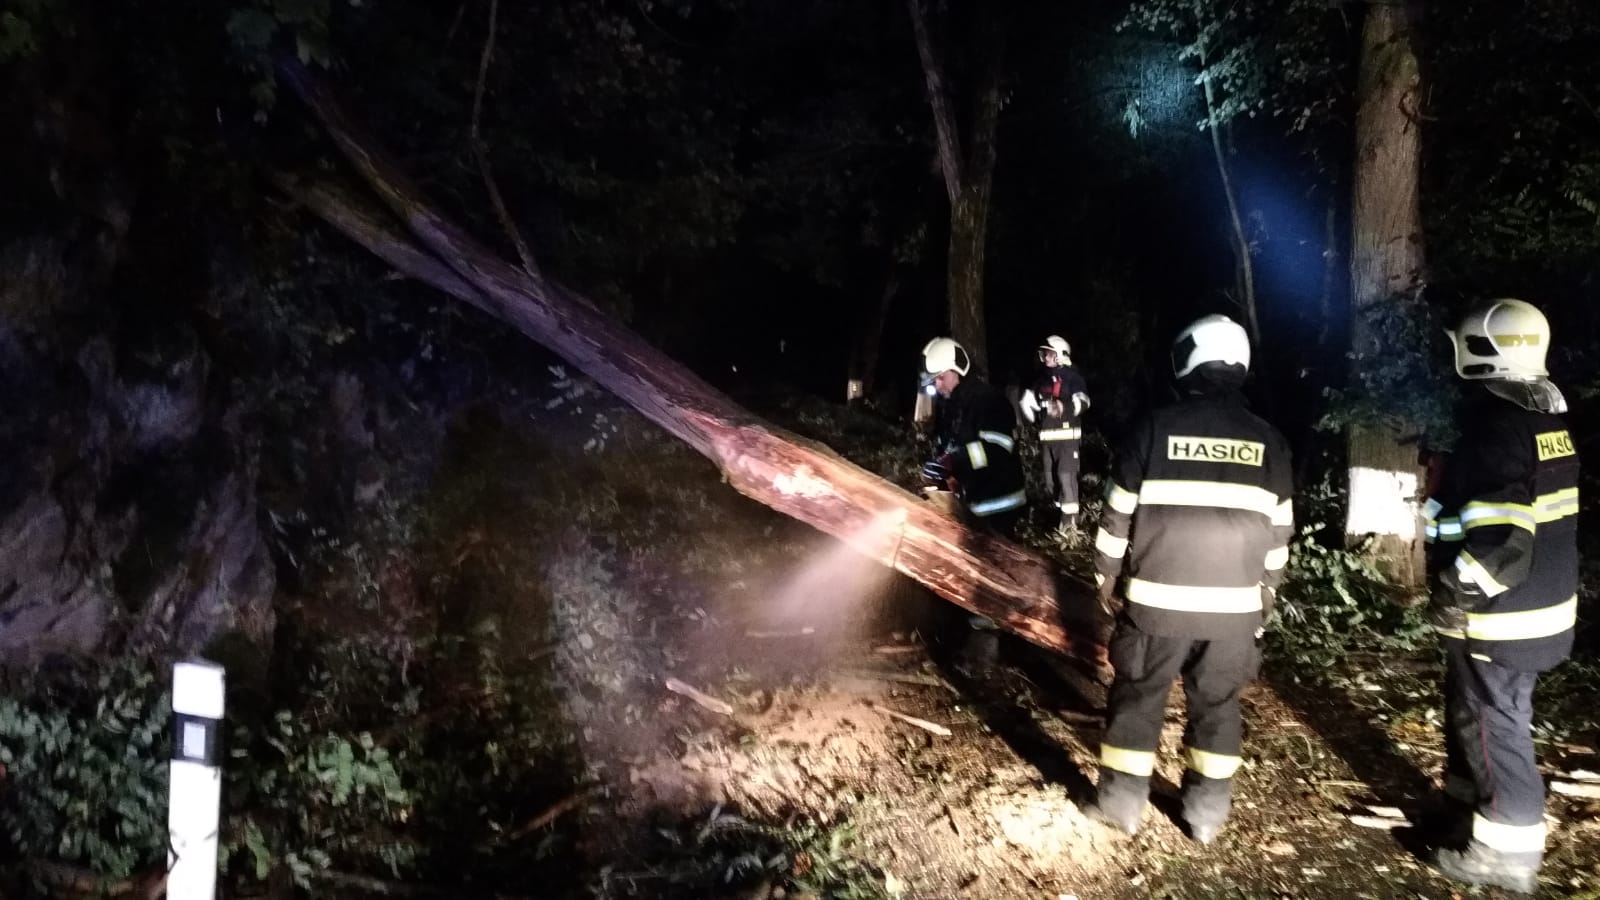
(1214, 673)
(1489, 756)
(1061, 474)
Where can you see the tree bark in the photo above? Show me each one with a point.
(968, 177)
(1385, 264)
(1022, 592)
(944, 122)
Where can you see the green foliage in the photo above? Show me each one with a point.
(1514, 169)
(303, 797)
(27, 25)
(1273, 57)
(1333, 599)
(1401, 379)
(85, 757)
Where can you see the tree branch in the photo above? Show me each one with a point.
(377, 231)
(944, 124)
(480, 150)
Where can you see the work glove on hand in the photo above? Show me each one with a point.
(1269, 600)
(936, 474)
(1451, 600)
(1030, 405)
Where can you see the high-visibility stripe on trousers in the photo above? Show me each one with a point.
(1060, 474)
(1214, 673)
(1489, 747)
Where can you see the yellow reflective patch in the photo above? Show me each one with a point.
(1516, 340)
(1556, 505)
(1213, 765)
(1525, 625)
(1469, 569)
(1213, 449)
(1133, 762)
(1554, 444)
(1478, 514)
(977, 455)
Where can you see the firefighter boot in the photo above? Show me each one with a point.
(1206, 804)
(1121, 801)
(1480, 864)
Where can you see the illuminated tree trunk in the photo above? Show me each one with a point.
(1385, 264)
(968, 176)
(1020, 591)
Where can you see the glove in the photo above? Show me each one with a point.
(1444, 614)
(1451, 600)
(1030, 404)
(936, 473)
(1269, 600)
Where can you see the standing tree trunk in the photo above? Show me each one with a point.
(1385, 265)
(1244, 266)
(968, 176)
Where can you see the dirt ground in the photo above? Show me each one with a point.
(852, 721)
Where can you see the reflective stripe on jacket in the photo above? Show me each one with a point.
(1198, 515)
(1504, 525)
(1062, 383)
(975, 430)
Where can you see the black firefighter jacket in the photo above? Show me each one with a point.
(1502, 529)
(975, 440)
(1198, 516)
(1067, 388)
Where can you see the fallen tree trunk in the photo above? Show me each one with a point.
(1021, 591)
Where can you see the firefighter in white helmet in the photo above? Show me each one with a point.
(975, 451)
(1197, 521)
(1502, 531)
(1056, 403)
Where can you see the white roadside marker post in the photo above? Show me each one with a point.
(195, 796)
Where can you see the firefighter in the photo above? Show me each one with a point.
(1056, 402)
(975, 452)
(1198, 519)
(1503, 554)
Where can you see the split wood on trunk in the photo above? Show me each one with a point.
(1017, 589)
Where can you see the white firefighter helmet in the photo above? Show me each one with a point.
(943, 354)
(1212, 339)
(1502, 339)
(1058, 345)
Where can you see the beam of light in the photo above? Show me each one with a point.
(840, 584)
